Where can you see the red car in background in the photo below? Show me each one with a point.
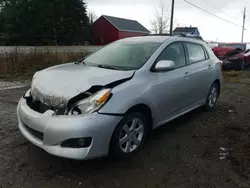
(233, 55)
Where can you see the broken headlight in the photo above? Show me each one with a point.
(91, 104)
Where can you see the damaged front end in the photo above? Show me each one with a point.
(41, 103)
(233, 59)
(38, 95)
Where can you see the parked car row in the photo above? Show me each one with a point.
(233, 55)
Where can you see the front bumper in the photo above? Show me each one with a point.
(226, 64)
(48, 131)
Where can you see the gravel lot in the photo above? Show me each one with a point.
(199, 149)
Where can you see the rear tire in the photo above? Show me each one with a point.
(212, 97)
(129, 136)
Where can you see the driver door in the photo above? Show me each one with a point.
(172, 87)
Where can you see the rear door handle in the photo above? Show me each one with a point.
(210, 66)
(187, 74)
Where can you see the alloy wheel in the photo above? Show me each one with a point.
(212, 98)
(131, 135)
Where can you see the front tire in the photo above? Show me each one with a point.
(129, 135)
(212, 97)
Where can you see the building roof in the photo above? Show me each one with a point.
(126, 25)
(185, 29)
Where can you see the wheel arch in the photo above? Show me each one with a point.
(142, 108)
(217, 81)
(145, 110)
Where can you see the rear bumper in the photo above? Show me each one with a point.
(48, 131)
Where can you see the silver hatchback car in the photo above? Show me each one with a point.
(108, 102)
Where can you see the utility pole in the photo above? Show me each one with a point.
(243, 26)
(172, 18)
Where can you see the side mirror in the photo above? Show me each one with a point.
(164, 65)
(248, 50)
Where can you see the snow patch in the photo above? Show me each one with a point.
(11, 85)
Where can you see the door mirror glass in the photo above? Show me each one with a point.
(164, 65)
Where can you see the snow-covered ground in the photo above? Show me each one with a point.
(12, 85)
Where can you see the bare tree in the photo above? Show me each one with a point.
(161, 19)
(92, 16)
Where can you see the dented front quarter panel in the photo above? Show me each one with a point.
(55, 86)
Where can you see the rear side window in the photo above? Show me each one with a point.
(195, 52)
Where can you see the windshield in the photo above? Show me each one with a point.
(241, 46)
(123, 55)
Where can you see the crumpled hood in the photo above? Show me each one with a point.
(236, 53)
(56, 85)
(221, 51)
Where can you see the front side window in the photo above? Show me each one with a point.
(174, 52)
(195, 53)
(123, 55)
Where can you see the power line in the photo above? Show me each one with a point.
(212, 14)
(220, 10)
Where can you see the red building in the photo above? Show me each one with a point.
(107, 29)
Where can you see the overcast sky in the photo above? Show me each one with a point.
(211, 28)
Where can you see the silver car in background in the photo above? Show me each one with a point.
(108, 103)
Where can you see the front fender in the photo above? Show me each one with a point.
(128, 95)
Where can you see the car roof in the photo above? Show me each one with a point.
(160, 39)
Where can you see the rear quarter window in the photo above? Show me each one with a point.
(196, 52)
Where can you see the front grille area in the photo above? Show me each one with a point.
(41, 108)
(35, 133)
(37, 105)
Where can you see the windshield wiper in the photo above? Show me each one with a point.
(80, 61)
(108, 67)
